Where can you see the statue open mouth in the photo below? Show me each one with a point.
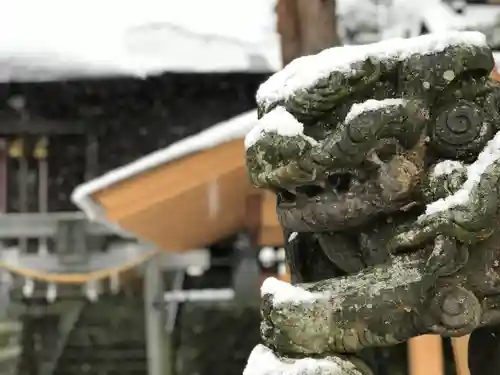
(386, 162)
(342, 201)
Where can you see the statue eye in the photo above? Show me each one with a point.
(340, 181)
(310, 190)
(285, 196)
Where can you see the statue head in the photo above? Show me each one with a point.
(351, 136)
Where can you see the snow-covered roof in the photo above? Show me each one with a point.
(235, 128)
(481, 14)
(58, 39)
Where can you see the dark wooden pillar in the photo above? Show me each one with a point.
(317, 25)
(306, 27)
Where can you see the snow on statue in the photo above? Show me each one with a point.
(386, 162)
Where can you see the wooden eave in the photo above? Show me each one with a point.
(184, 204)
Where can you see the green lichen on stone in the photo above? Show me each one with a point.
(391, 191)
(379, 306)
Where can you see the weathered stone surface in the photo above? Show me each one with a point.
(387, 153)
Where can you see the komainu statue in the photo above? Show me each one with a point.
(385, 159)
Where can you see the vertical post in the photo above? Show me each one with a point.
(3, 175)
(318, 29)
(306, 27)
(155, 329)
(426, 355)
(17, 151)
(71, 242)
(40, 153)
(461, 355)
(253, 217)
(288, 28)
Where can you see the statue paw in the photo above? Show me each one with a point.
(465, 215)
(447, 256)
(426, 229)
(293, 319)
(457, 311)
(263, 361)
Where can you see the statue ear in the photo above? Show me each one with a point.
(460, 129)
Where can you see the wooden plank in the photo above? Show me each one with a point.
(17, 151)
(185, 204)
(40, 153)
(461, 354)
(288, 29)
(253, 214)
(317, 25)
(270, 231)
(495, 75)
(305, 27)
(425, 355)
(78, 277)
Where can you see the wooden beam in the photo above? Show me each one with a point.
(306, 27)
(495, 75)
(16, 126)
(425, 355)
(317, 25)
(253, 214)
(185, 204)
(461, 354)
(288, 28)
(270, 231)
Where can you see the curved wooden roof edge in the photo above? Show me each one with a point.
(234, 128)
(77, 278)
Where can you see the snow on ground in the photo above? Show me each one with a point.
(235, 128)
(57, 39)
